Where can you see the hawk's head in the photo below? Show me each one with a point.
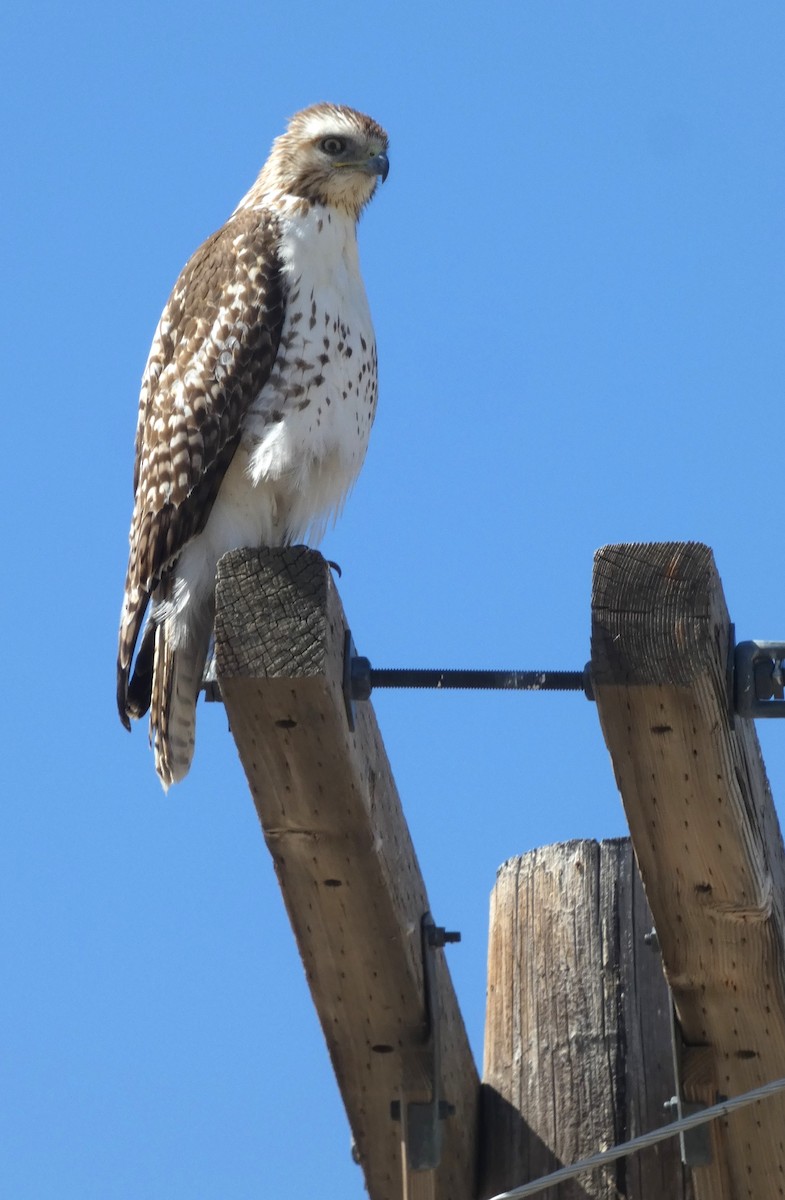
(329, 154)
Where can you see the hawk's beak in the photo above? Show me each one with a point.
(378, 165)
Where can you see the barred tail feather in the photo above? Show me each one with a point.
(177, 677)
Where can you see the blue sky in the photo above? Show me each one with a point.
(576, 270)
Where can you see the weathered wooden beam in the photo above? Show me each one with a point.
(333, 823)
(578, 1032)
(706, 837)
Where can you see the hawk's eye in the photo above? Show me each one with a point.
(333, 145)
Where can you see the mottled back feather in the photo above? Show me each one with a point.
(211, 356)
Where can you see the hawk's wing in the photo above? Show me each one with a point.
(211, 355)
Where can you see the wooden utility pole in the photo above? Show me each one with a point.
(578, 1046)
(578, 1034)
(350, 879)
(706, 837)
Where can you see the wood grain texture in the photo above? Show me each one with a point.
(577, 1040)
(343, 855)
(706, 837)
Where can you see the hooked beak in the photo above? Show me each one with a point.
(378, 165)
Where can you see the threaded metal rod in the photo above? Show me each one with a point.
(361, 678)
(527, 681)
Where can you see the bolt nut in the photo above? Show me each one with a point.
(438, 936)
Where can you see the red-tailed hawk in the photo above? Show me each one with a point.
(255, 409)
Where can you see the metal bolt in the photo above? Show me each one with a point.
(438, 936)
(651, 939)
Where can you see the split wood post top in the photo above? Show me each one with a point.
(706, 837)
(343, 855)
(578, 1031)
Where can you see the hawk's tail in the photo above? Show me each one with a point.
(177, 677)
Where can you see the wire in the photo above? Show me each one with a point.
(644, 1140)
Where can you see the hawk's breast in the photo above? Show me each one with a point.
(308, 429)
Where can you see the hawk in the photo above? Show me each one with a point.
(255, 409)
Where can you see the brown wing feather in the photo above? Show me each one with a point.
(211, 355)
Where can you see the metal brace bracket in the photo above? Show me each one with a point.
(210, 685)
(349, 693)
(424, 1118)
(694, 1144)
(760, 679)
